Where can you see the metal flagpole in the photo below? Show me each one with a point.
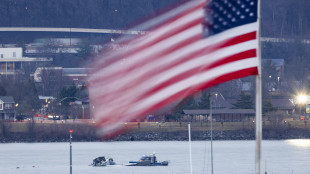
(258, 133)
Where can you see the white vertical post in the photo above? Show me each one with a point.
(258, 132)
(211, 130)
(190, 148)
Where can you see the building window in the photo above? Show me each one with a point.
(1, 55)
(2, 67)
(9, 67)
(8, 106)
(14, 54)
(53, 76)
(18, 66)
(1, 107)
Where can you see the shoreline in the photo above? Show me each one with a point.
(244, 134)
(146, 131)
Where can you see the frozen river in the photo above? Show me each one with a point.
(230, 157)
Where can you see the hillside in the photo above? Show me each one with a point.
(114, 14)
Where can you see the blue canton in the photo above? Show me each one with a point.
(221, 15)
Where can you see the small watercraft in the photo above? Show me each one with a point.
(147, 160)
(101, 161)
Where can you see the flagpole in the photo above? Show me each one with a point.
(258, 133)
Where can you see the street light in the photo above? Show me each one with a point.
(278, 82)
(65, 98)
(301, 100)
(69, 98)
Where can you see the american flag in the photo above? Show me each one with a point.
(191, 47)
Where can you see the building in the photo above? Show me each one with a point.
(286, 105)
(7, 108)
(12, 61)
(220, 114)
(221, 111)
(50, 80)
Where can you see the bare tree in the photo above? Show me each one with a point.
(276, 118)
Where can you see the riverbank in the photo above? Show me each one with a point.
(170, 131)
(242, 134)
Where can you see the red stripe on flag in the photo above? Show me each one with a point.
(240, 39)
(243, 55)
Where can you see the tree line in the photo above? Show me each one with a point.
(76, 13)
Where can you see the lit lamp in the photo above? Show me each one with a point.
(301, 101)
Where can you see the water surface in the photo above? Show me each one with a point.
(230, 157)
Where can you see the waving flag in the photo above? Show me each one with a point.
(193, 46)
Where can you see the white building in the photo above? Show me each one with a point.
(11, 52)
(12, 60)
(7, 108)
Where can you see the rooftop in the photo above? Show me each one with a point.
(218, 111)
(7, 99)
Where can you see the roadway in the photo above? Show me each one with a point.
(73, 30)
(112, 31)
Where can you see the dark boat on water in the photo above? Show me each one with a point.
(148, 160)
(101, 161)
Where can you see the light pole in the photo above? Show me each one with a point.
(16, 105)
(278, 83)
(67, 106)
(70, 131)
(82, 111)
